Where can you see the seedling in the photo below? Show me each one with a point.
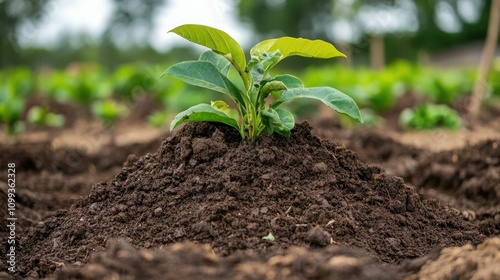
(253, 115)
(108, 111)
(269, 237)
(39, 115)
(11, 108)
(430, 116)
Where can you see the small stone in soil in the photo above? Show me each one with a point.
(318, 237)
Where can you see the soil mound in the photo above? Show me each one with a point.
(471, 176)
(205, 186)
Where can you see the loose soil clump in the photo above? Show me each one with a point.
(205, 186)
(192, 261)
(466, 178)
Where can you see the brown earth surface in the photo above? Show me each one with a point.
(332, 214)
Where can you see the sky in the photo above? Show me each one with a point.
(91, 16)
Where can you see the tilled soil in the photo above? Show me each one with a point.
(49, 179)
(203, 185)
(191, 261)
(469, 177)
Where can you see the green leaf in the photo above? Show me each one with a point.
(260, 66)
(271, 86)
(269, 237)
(223, 107)
(290, 81)
(278, 120)
(107, 110)
(430, 116)
(215, 39)
(203, 112)
(297, 46)
(262, 47)
(55, 120)
(220, 62)
(331, 97)
(205, 74)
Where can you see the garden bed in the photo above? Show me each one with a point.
(87, 213)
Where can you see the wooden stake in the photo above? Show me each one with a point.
(377, 55)
(485, 63)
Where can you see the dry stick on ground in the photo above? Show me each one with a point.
(486, 61)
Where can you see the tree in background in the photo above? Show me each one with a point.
(131, 20)
(318, 18)
(13, 15)
(293, 18)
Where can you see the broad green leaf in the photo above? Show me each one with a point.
(203, 113)
(290, 81)
(297, 46)
(262, 47)
(257, 72)
(215, 39)
(223, 107)
(331, 97)
(271, 87)
(217, 60)
(205, 74)
(278, 120)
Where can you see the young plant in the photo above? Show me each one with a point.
(40, 115)
(109, 111)
(430, 116)
(11, 109)
(253, 115)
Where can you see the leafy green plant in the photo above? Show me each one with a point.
(254, 83)
(445, 86)
(158, 119)
(430, 116)
(108, 111)
(11, 108)
(40, 115)
(494, 79)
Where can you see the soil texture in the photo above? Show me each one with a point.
(205, 186)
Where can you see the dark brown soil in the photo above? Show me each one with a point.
(468, 179)
(48, 180)
(204, 186)
(190, 261)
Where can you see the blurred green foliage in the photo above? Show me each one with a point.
(109, 95)
(108, 111)
(40, 115)
(126, 37)
(379, 90)
(430, 116)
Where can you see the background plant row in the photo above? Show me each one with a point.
(111, 95)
